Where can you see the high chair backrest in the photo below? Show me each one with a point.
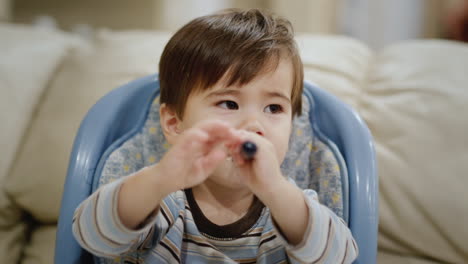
(331, 151)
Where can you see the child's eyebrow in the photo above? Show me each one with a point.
(235, 92)
(223, 93)
(279, 95)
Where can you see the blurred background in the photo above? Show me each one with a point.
(376, 22)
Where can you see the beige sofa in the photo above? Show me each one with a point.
(413, 96)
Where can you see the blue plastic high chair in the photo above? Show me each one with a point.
(122, 113)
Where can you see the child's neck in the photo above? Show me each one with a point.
(221, 204)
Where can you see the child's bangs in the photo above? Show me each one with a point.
(239, 71)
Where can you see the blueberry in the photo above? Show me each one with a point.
(248, 150)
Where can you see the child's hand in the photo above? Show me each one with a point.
(196, 154)
(193, 157)
(261, 174)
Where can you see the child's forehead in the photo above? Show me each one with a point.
(274, 77)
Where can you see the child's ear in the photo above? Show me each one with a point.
(170, 123)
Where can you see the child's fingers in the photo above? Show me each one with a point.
(194, 138)
(195, 143)
(212, 160)
(214, 126)
(237, 158)
(234, 151)
(198, 143)
(219, 130)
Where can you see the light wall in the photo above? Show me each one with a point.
(306, 15)
(317, 16)
(381, 22)
(115, 14)
(5, 10)
(172, 14)
(376, 22)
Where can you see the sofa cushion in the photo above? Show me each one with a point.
(337, 64)
(90, 71)
(29, 58)
(13, 230)
(385, 257)
(416, 104)
(40, 248)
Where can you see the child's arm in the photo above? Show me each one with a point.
(98, 229)
(315, 234)
(121, 214)
(312, 232)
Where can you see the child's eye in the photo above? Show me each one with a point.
(274, 109)
(228, 105)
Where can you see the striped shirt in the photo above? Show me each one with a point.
(173, 235)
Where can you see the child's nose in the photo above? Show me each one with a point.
(252, 124)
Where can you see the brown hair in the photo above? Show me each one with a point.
(239, 42)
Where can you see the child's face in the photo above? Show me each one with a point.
(262, 106)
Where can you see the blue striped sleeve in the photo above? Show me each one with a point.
(327, 238)
(98, 229)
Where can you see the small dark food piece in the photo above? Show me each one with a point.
(248, 150)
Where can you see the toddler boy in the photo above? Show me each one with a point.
(225, 79)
